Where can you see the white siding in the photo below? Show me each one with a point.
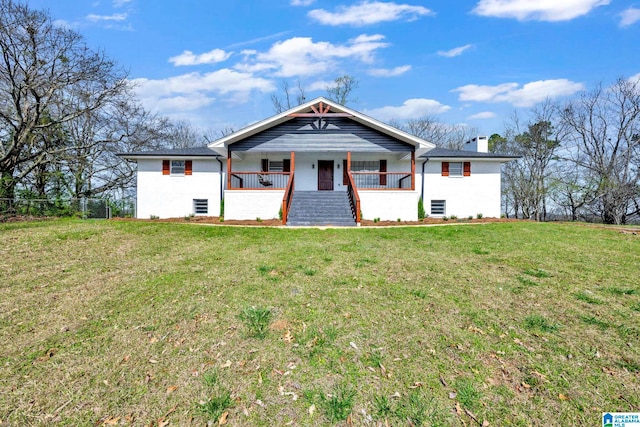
(389, 205)
(464, 196)
(252, 204)
(170, 196)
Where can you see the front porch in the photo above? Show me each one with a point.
(320, 147)
(263, 185)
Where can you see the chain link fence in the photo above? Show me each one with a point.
(80, 208)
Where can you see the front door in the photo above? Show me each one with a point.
(325, 175)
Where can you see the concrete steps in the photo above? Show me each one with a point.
(320, 208)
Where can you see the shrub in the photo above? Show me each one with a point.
(421, 212)
(479, 216)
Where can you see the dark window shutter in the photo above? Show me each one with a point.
(467, 169)
(286, 165)
(383, 168)
(166, 167)
(188, 167)
(345, 175)
(445, 168)
(265, 165)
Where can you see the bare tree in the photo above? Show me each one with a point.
(442, 134)
(90, 166)
(604, 127)
(528, 178)
(341, 89)
(285, 100)
(182, 134)
(48, 77)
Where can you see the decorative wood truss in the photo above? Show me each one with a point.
(320, 110)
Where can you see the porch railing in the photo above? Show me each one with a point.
(382, 180)
(259, 180)
(286, 201)
(354, 198)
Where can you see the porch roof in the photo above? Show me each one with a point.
(171, 153)
(326, 142)
(445, 153)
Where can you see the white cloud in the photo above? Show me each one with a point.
(120, 3)
(384, 72)
(455, 51)
(479, 93)
(182, 103)
(369, 12)
(538, 10)
(194, 90)
(525, 96)
(482, 116)
(410, 109)
(115, 17)
(319, 85)
(189, 58)
(301, 56)
(302, 2)
(635, 78)
(629, 17)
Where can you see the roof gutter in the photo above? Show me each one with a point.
(221, 180)
(422, 186)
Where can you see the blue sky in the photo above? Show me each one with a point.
(217, 63)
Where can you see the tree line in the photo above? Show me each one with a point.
(579, 159)
(66, 111)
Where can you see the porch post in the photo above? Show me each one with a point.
(293, 162)
(228, 169)
(413, 170)
(348, 162)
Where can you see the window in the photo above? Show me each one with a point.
(201, 206)
(438, 207)
(455, 168)
(177, 167)
(276, 166)
(283, 165)
(368, 166)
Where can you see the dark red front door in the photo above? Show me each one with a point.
(325, 175)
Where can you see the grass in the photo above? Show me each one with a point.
(256, 320)
(519, 323)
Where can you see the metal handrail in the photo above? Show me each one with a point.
(261, 180)
(375, 181)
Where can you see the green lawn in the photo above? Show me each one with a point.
(130, 323)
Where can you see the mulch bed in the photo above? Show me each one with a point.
(277, 222)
